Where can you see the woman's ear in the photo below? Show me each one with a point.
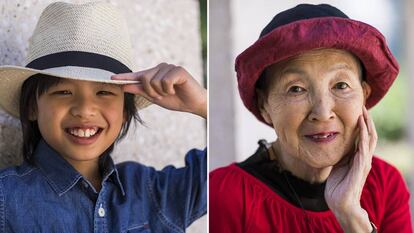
(366, 88)
(262, 105)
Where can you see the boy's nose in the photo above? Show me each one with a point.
(83, 108)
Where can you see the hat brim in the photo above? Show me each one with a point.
(287, 41)
(12, 78)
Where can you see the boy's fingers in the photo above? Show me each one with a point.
(155, 84)
(133, 89)
(168, 86)
(136, 75)
(137, 90)
(145, 77)
(159, 77)
(146, 85)
(175, 76)
(125, 76)
(132, 75)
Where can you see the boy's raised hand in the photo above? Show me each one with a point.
(168, 86)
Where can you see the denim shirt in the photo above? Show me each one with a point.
(52, 196)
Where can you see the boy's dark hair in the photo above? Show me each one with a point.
(37, 85)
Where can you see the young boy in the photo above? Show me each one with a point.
(75, 98)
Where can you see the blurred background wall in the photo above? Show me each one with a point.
(161, 31)
(236, 24)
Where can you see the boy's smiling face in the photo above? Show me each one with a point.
(80, 119)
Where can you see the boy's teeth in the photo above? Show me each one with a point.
(83, 133)
(87, 133)
(93, 132)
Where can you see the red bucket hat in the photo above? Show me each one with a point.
(306, 27)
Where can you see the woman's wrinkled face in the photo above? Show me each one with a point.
(313, 102)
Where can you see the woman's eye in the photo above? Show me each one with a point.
(296, 89)
(341, 85)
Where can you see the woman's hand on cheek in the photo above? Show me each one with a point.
(346, 181)
(168, 86)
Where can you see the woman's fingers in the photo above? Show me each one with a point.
(366, 145)
(357, 167)
(372, 132)
(345, 184)
(363, 135)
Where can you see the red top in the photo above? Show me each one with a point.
(240, 203)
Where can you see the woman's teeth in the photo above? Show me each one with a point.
(321, 136)
(83, 133)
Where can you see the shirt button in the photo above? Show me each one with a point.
(101, 211)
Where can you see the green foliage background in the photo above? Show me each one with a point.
(390, 115)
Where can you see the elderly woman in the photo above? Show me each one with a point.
(311, 76)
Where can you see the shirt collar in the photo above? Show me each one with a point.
(61, 175)
(110, 172)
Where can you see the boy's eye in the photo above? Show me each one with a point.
(62, 92)
(296, 89)
(341, 86)
(105, 93)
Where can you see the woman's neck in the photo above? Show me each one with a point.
(298, 167)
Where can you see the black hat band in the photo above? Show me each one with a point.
(80, 59)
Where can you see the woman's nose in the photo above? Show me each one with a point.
(322, 109)
(83, 107)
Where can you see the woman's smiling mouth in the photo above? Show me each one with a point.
(322, 137)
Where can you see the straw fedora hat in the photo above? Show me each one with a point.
(76, 41)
